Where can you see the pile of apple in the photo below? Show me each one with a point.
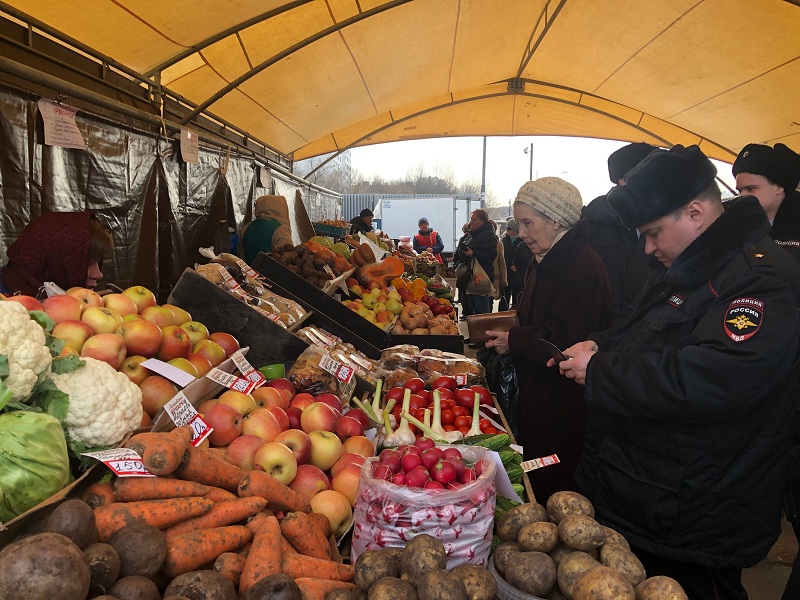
(377, 305)
(303, 441)
(425, 465)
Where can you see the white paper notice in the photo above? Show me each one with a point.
(501, 480)
(174, 374)
(190, 146)
(124, 462)
(60, 128)
(263, 177)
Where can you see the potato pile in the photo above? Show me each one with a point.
(561, 552)
(417, 572)
(302, 261)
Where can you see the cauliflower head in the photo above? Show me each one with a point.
(103, 404)
(22, 340)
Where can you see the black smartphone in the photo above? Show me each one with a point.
(557, 354)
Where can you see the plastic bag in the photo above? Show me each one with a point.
(389, 515)
(315, 372)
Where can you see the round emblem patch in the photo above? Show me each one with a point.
(743, 318)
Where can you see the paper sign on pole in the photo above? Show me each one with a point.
(60, 128)
(190, 146)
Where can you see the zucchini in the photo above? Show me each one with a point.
(518, 487)
(514, 473)
(507, 456)
(474, 440)
(495, 442)
(505, 503)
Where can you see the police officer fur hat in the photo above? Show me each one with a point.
(623, 160)
(781, 165)
(661, 183)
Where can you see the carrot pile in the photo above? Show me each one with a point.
(244, 524)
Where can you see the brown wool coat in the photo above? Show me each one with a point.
(566, 297)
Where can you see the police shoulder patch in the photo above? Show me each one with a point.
(743, 318)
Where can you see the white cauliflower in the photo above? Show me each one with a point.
(103, 404)
(22, 340)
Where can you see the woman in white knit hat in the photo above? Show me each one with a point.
(566, 297)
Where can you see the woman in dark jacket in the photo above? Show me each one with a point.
(480, 243)
(566, 297)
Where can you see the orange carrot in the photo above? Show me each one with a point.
(218, 494)
(277, 495)
(221, 514)
(99, 494)
(335, 556)
(190, 551)
(264, 558)
(129, 489)
(244, 550)
(255, 522)
(203, 466)
(158, 513)
(299, 565)
(286, 547)
(305, 536)
(317, 589)
(161, 452)
(230, 565)
(322, 522)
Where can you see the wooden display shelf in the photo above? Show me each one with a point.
(526, 482)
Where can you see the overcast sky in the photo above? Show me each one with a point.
(581, 161)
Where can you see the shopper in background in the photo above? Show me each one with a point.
(500, 281)
(479, 243)
(510, 242)
(566, 297)
(691, 399)
(461, 286)
(428, 239)
(67, 248)
(269, 230)
(362, 223)
(522, 258)
(619, 247)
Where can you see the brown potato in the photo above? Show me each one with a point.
(135, 587)
(423, 553)
(573, 566)
(392, 588)
(561, 504)
(440, 585)
(615, 537)
(602, 583)
(501, 555)
(203, 585)
(373, 565)
(478, 581)
(624, 561)
(556, 594)
(538, 537)
(510, 524)
(581, 532)
(660, 588)
(560, 552)
(531, 572)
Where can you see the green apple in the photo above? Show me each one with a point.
(363, 311)
(368, 300)
(379, 308)
(394, 306)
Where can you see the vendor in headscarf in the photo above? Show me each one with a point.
(428, 239)
(269, 230)
(66, 248)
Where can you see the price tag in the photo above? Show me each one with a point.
(341, 372)
(232, 382)
(461, 379)
(538, 463)
(391, 289)
(362, 362)
(328, 270)
(181, 411)
(251, 374)
(123, 462)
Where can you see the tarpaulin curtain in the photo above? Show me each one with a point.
(159, 209)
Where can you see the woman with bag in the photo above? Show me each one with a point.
(479, 249)
(566, 296)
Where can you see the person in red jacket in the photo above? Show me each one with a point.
(428, 239)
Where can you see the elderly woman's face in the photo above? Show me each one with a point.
(475, 222)
(535, 230)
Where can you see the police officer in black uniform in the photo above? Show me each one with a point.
(690, 399)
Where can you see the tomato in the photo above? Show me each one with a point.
(445, 404)
(396, 394)
(445, 381)
(415, 384)
(484, 424)
(447, 417)
(465, 398)
(426, 395)
(446, 394)
(464, 430)
(417, 413)
(416, 401)
(463, 422)
(486, 395)
(460, 411)
(448, 428)
(492, 430)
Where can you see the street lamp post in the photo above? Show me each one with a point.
(530, 174)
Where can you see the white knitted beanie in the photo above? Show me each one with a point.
(554, 198)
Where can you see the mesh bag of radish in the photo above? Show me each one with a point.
(460, 515)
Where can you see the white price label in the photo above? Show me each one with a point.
(181, 411)
(538, 463)
(247, 370)
(328, 270)
(391, 289)
(123, 462)
(461, 379)
(341, 372)
(232, 382)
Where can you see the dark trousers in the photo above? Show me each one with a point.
(698, 581)
(792, 590)
(466, 309)
(480, 304)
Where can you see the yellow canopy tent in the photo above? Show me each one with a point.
(309, 77)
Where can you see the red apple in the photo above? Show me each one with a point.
(310, 481)
(345, 459)
(141, 337)
(267, 396)
(280, 416)
(294, 415)
(63, 308)
(74, 333)
(302, 401)
(157, 314)
(196, 330)
(319, 416)
(346, 482)
(101, 319)
(204, 406)
(226, 340)
(359, 414)
(29, 302)
(200, 363)
(244, 403)
(156, 392)
(284, 386)
(242, 451)
(262, 423)
(359, 444)
(122, 305)
(298, 442)
(179, 316)
(175, 344)
(348, 427)
(326, 448)
(277, 460)
(133, 369)
(184, 365)
(227, 424)
(146, 422)
(209, 350)
(135, 317)
(108, 347)
(86, 296)
(331, 400)
(336, 507)
(141, 296)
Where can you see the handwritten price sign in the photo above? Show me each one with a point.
(340, 371)
(181, 411)
(253, 375)
(123, 462)
(232, 382)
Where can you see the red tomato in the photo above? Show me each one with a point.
(447, 417)
(445, 381)
(396, 394)
(446, 394)
(492, 430)
(460, 411)
(416, 401)
(464, 430)
(448, 428)
(485, 424)
(463, 422)
(415, 384)
(426, 395)
(447, 404)
(486, 395)
(417, 413)
(465, 398)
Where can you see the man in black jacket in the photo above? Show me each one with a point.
(690, 400)
(362, 223)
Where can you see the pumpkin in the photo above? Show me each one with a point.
(362, 256)
(389, 268)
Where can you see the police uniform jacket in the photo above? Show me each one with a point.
(785, 228)
(689, 421)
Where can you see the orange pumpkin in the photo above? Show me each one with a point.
(386, 270)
